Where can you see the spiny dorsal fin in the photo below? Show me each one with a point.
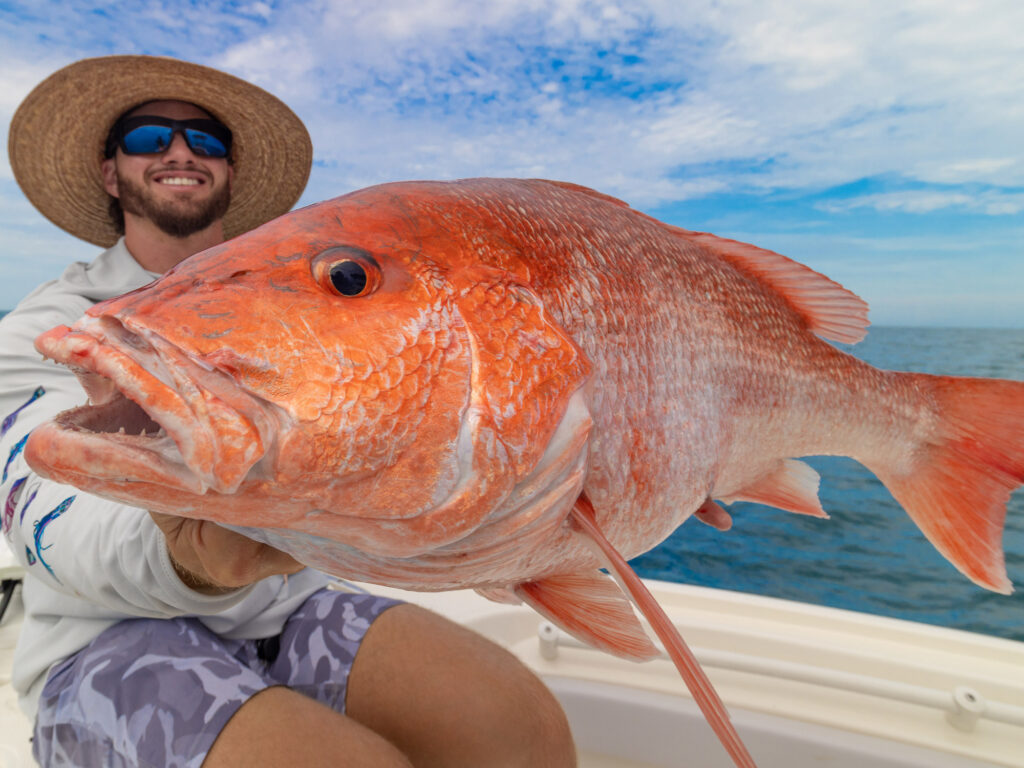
(831, 311)
(591, 608)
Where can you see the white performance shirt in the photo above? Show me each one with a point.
(91, 562)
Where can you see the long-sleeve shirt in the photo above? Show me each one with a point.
(91, 562)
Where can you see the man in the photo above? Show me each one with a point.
(156, 640)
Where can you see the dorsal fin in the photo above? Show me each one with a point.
(831, 311)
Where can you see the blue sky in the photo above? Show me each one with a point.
(878, 142)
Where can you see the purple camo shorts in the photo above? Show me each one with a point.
(157, 692)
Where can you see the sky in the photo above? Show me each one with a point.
(880, 142)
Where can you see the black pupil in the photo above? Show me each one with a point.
(348, 278)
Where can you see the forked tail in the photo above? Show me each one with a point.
(700, 687)
(958, 482)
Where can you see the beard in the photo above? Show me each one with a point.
(177, 218)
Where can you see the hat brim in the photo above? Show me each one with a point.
(57, 138)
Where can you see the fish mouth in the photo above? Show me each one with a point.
(155, 415)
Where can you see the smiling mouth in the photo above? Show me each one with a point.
(179, 181)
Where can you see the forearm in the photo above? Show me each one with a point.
(107, 554)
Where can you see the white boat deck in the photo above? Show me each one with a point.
(806, 686)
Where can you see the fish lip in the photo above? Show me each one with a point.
(105, 356)
(139, 459)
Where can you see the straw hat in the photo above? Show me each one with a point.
(57, 137)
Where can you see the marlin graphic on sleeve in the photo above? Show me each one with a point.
(12, 417)
(40, 527)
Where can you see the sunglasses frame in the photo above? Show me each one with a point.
(213, 128)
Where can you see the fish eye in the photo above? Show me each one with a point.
(348, 272)
(348, 278)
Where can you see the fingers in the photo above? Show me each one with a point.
(212, 559)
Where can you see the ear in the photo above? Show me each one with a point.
(109, 170)
(525, 366)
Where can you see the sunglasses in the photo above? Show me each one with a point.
(149, 134)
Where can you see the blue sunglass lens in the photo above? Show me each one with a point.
(147, 139)
(203, 143)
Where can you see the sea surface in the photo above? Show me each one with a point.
(868, 556)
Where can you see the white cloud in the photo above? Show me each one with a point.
(926, 201)
(828, 93)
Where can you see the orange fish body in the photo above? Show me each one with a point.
(693, 361)
(413, 385)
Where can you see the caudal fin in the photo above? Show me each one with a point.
(961, 478)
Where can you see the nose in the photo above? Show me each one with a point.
(178, 149)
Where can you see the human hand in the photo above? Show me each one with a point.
(212, 559)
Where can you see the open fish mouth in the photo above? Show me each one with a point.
(155, 414)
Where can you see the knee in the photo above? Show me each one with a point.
(448, 697)
(509, 718)
(536, 731)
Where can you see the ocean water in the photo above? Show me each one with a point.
(868, 556)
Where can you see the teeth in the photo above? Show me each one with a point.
(179, 181)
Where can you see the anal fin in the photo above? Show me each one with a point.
(591, 608)
(792, 485)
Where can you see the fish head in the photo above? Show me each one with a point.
(357, 370)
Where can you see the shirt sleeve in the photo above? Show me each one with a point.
(107, 553)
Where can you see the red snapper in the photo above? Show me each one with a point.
(500, 384)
